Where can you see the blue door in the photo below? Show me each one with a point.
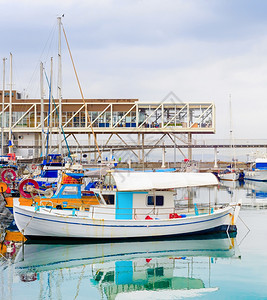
(124, 206)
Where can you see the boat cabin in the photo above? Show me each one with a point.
(141, 195)
(260, 164)
(55, 160)
(133, 205)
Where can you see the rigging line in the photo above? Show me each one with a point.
(62, 130)
(50, 37)
(85, 106)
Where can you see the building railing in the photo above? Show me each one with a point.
(186, 116)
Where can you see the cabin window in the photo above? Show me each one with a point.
(159, 200)
(159, 271)
(110, 199)
(70, 190)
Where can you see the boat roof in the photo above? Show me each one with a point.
(140, 181)
(261, 160)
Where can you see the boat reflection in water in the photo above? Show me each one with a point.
(256, 194)
(128, 269)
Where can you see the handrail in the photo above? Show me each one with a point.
(46, 201)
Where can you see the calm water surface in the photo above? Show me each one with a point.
(214, 267)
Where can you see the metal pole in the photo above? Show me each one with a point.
(215, 158)
(163, 157)
(10, 108)
(174, 151)
(189, 148)
(42, 109)
(143, 151)
(139, 151)
(59, 86)
(3, 107)
(51, 100)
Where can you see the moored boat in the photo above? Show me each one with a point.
(69, 194)
(131, 205)
(258, 170)
(229, 176)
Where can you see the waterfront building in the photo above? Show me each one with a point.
(111, 117)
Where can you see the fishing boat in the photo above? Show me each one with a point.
(229, 175)
(69, 194)
(48, 173)
(258, 170)
(131, 205)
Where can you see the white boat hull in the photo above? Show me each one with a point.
(229, 176)
(44, 223)
(257, 175)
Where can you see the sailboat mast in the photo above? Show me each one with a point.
(42, 108)
(10, 109)
(3, 107)
(51, 98)
(231, 130)
(59, 87)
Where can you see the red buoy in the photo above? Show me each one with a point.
(23, 185)
(8, 176)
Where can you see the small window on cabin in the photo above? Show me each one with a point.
(150, 200)
(110, 199)
(159, 200)
(70, 190)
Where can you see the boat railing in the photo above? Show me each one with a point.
(103, 211)
(64, 205)
(46, 203)
(142, 213)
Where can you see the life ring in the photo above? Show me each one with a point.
(23, 186)
(34, 167)
(8, 176)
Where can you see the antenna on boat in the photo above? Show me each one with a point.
(85, 106)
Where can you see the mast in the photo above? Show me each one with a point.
(10, 109)
(3, 107)
(231, 130)
(59, 87)
(42, 109)
(50, 104)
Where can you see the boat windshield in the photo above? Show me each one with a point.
(100, 199)
(70, 190)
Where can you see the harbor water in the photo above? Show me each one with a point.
(202, 267)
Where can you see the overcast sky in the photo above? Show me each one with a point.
(201, 50)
